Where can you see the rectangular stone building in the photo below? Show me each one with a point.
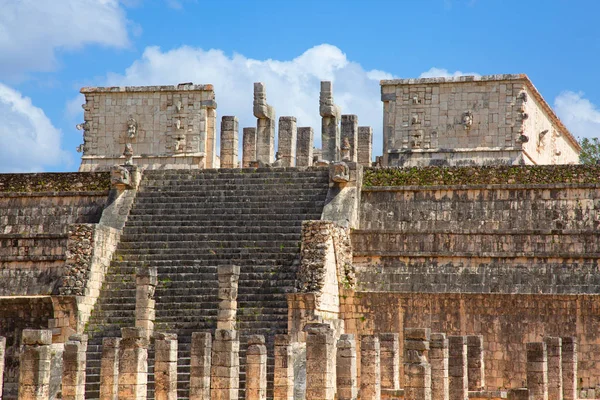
(167, 126)
(468, 120)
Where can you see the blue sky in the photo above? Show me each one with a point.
(51, 48)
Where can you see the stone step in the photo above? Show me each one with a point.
(196, 186)
(245, 230)
(212, 238)
(217, 210)
(231, 194)
(133, 220)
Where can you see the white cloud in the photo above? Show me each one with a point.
(292, 85)
(28, 140)
(581, 116)
(31, 31)
(444, 73)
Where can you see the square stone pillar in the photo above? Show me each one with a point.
(330, 123)
(438, 358)
(390, 360)
(537, 371)
(417, 370)
(133, 364)
(346, 368)
(225, 369)
(145, 281)
(165, 366)
(283, 381)
(256, 368)
(109, 369)
(229, 142)
(286, 147)
(475, 362)
(569, 367)
(555, 376)
(365, 145)
(320, 373)
(2, 356)
(73, 378)
(34, 364)
(304, 147)
(229, 276)
(200, 366)
(265, 125)
(248, 146)
(370, 368)
(349, 132)
(457, 368)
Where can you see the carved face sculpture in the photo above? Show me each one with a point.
(131, 127)
(467, 119)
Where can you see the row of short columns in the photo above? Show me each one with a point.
(552, 369)
(295, 144)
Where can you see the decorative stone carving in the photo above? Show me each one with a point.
(131, 127)
(524, 116)
(260, 107)
(179, 143)
(522, 96)
(128, 153)
(120, 178)
(414, 120)
(278, 163)
(178, 106)
(523, 139)
(80, 148)
(84, 126)
(346, 150)
(467, 119)
(339, 172)
(178, 124)
(327, 107)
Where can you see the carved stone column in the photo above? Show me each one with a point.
(370, 372)
(320, 374)
(286, 147)
(133, 364)
(256, 368)
(283, 385)
(229, 142)
(417, 370)
(74, 358)
(390, 360)
(34, 367)
(146, 280)
(265, 127)
(346, 368)
(229, 276)
(225, 369)
(349, 131)
(2, 355)
(569, 367)
(475, 362)
(165, 366)
(330, 123)
(248, 147)
(438, 358)
(555, 376)
(365, 145)
(109, 369)
(457, 368)
(537, 371)
(200, 366)
(304, 147)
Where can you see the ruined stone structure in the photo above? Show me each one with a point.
(156, 275)
(471, 120)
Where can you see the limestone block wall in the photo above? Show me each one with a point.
(167, 126)
(35, 212)
(18, 313)
(468, 120)
(506, 322)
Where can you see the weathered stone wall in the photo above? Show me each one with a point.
(507, 322)
(35, 212)
(167, 126)
(16, 314)
(473, 120)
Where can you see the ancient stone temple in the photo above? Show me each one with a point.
(266, 269)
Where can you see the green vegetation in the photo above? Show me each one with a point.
(492, 175)
(590, 151)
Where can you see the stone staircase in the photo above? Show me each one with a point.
(186, 223)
